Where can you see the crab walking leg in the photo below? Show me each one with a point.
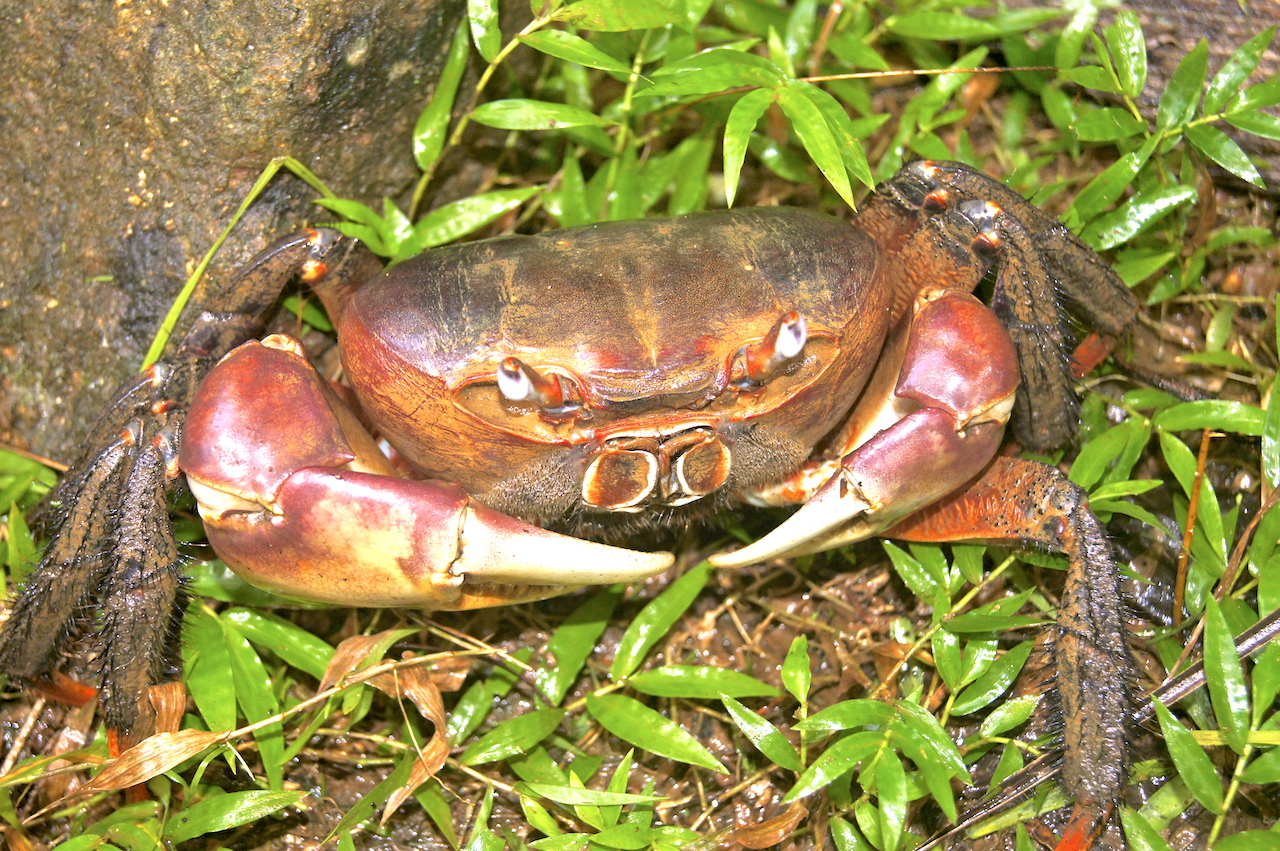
(297, 498)
(1032, 503)
(938, 429)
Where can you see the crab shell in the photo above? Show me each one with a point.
(644, 321)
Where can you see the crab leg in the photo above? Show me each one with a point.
(938, 429)
(297, 498)
(1095, 669)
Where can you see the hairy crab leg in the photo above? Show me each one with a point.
(111, 540)
(1095, 669)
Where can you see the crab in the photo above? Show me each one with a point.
(516, 409)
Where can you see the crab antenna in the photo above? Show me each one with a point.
(785, 341)
(519, 382)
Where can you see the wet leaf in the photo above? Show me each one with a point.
(815, 135)
(1236, 417)
(942, 25)
(1220, 148)
(843, 756)
(715, 70)
(482, 15)
(571, 644)
(577, 796)
(891, 792)
(1193, 764)
(655, 619)
(1121, 225)
(1264, 94)
(1128, 52)
(257, 699)
(1008, 715)
(225, 811)
(638, 725)
(207, 663)
(994, 682)
(1235, 72)
(1142, 835)
(845, 715)
(525, 114)
(1225, 676)
(572, 48)
(1108, 124)
(699, 682)
(1258, 123)
(796, 672)
(1178, 103)
(447, 223)
(612, 16)
(767, 738)
(284, 638)
(513, 736)
(737, 132)
(432, 127)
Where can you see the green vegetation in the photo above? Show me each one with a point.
(671, 106)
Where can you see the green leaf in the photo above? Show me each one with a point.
(891, 792)
(447, 223)
(655, 619)
(1264, 94)
(1219, 147)
(482, 15)
(796, 673)
(1128, 52)
(1178, 103)
(525, 114)
(514, 736)
(815, 135)
(284, 638)
(614, 16)
(1258, 123)
(1271, 428)
(699, 683)
(1092, 77)
(737, 132)
(432, 128)
(207, 663)
(845, 715)
(257, 699)
(638, 725)
(1142, 835)
(572, 643)
(1008, 715)
(1225, 676)
(942, 26)
(1119, 226)
(767, 738)
(225, 811)
(1107, 187)
(843, 756)
(572, 48)
(713, 71)
(577, 796)
(1193, 764)
(993, 682)
(1108, 124)
(1237, 417)
(1235, 71)
(1249, 840)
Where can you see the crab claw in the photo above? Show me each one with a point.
(297, 499)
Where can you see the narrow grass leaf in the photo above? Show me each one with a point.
(223, 812)
(1106, 188)
(1193, 764)
(447, 223)
(656, 619)
(1142, 835)
(207, 663)
(922, 582)
(513, 736)
(257, 699)
(432, 127)
(1260, 96)
(845, 715)
(1220, 148)
(891, 792)
(572, 643)
(612, 16)
(284, 638)
(1271, 428)
(767, 738)
(715, 70)
(638, 725)
(815, 135)
(1128, 52)
(1121, 225)
(796, 672)
(843, 756)
(482, 15)
(525, 114)
(1236, 417)
(994, 682)
(697, 682)
(1108, 124)
(1178, 103)
(1235, 72)
(1227, 689)
(1258, 123)
(577, 796)
(572, 48)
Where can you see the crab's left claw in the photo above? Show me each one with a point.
(297, 499)
(952, 390)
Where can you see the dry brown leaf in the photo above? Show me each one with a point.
(348, 657)
(151, 757)
(416, 684)
(170, 702)
(429, 760)
(770, 832)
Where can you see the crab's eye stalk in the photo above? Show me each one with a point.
(784, 343)
(521, 384)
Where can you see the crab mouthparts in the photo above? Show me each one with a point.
(632, 472)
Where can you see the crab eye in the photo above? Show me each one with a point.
(757, 361)
(555, 395)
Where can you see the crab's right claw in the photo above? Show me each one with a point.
(297, 499)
